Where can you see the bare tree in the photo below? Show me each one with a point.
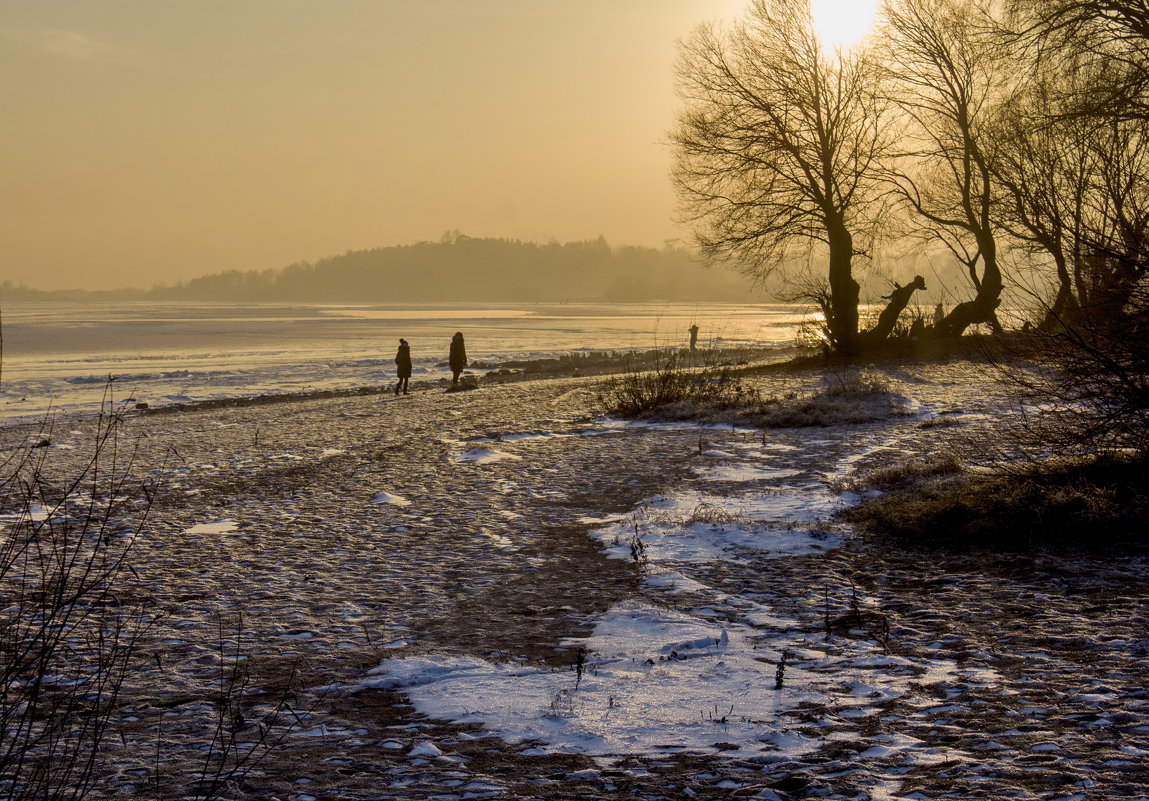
(777, 150)
(1100, 46)
(1045, 169)
(1079, 193)
(945, 77)
(1071, 151)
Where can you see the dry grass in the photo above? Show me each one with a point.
(901, 474)
(675, 392)
(728, 395)
(706, 513)
(1097, 502)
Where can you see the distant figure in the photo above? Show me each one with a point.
(458, 359)
(693, 338)
(403, 366)
(939, 313)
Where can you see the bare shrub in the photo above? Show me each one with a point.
(1083, 388)
(723, 394)
(845, 397)
(716, 515)
(706, 513)
(672, 391)
(853, 383)
(70, 618)
(246, 724)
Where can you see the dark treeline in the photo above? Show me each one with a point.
(459, 268)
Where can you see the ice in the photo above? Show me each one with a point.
(692, 527)
(743, 473)
(65, 352)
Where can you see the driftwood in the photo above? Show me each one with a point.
(898, 300)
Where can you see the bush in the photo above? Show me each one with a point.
(902, 474)
(1082, 379)
(70, 622)
(1085, 503)
(845, 397)
(722, 394)
(672, 391)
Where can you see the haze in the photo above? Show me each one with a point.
(154, 141)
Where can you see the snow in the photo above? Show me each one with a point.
(35, 513)
(701, 675)
(655, 680)
(388, 498)
(217, 527)
(483, 456)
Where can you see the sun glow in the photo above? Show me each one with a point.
(841, 24)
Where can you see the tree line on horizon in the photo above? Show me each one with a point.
(457, 268)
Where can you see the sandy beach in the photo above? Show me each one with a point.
(503, 594)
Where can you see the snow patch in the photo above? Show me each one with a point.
(388, 498)
(483, 456)
(217, 527)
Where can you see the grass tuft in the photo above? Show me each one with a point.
(674, 392)
(902, 474)
(1096, 502)
(729, 395)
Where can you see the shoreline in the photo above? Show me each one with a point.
(495, 373)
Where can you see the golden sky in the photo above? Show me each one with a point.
(147, 141)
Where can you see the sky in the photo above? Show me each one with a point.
(149, 141)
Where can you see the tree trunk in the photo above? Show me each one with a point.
(844, 290)
(1065, 303)
(899, 299)
(983, 308)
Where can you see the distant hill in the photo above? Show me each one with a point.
(462, 268)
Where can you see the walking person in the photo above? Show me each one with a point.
(693, 337)
(403, 366)
(458, 357)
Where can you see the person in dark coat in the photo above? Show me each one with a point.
(403, 366)
(458, 358)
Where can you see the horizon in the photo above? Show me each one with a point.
(452, 235)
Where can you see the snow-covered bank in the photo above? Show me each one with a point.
(706, 670)
(706, 662)
(334, 548)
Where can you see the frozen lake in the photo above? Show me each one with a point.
(59, 355)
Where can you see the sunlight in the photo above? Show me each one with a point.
(843, 23)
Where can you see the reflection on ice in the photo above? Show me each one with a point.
(62, 355)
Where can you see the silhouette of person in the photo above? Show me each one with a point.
(403, 366)
(458, 358)
(693, 337)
